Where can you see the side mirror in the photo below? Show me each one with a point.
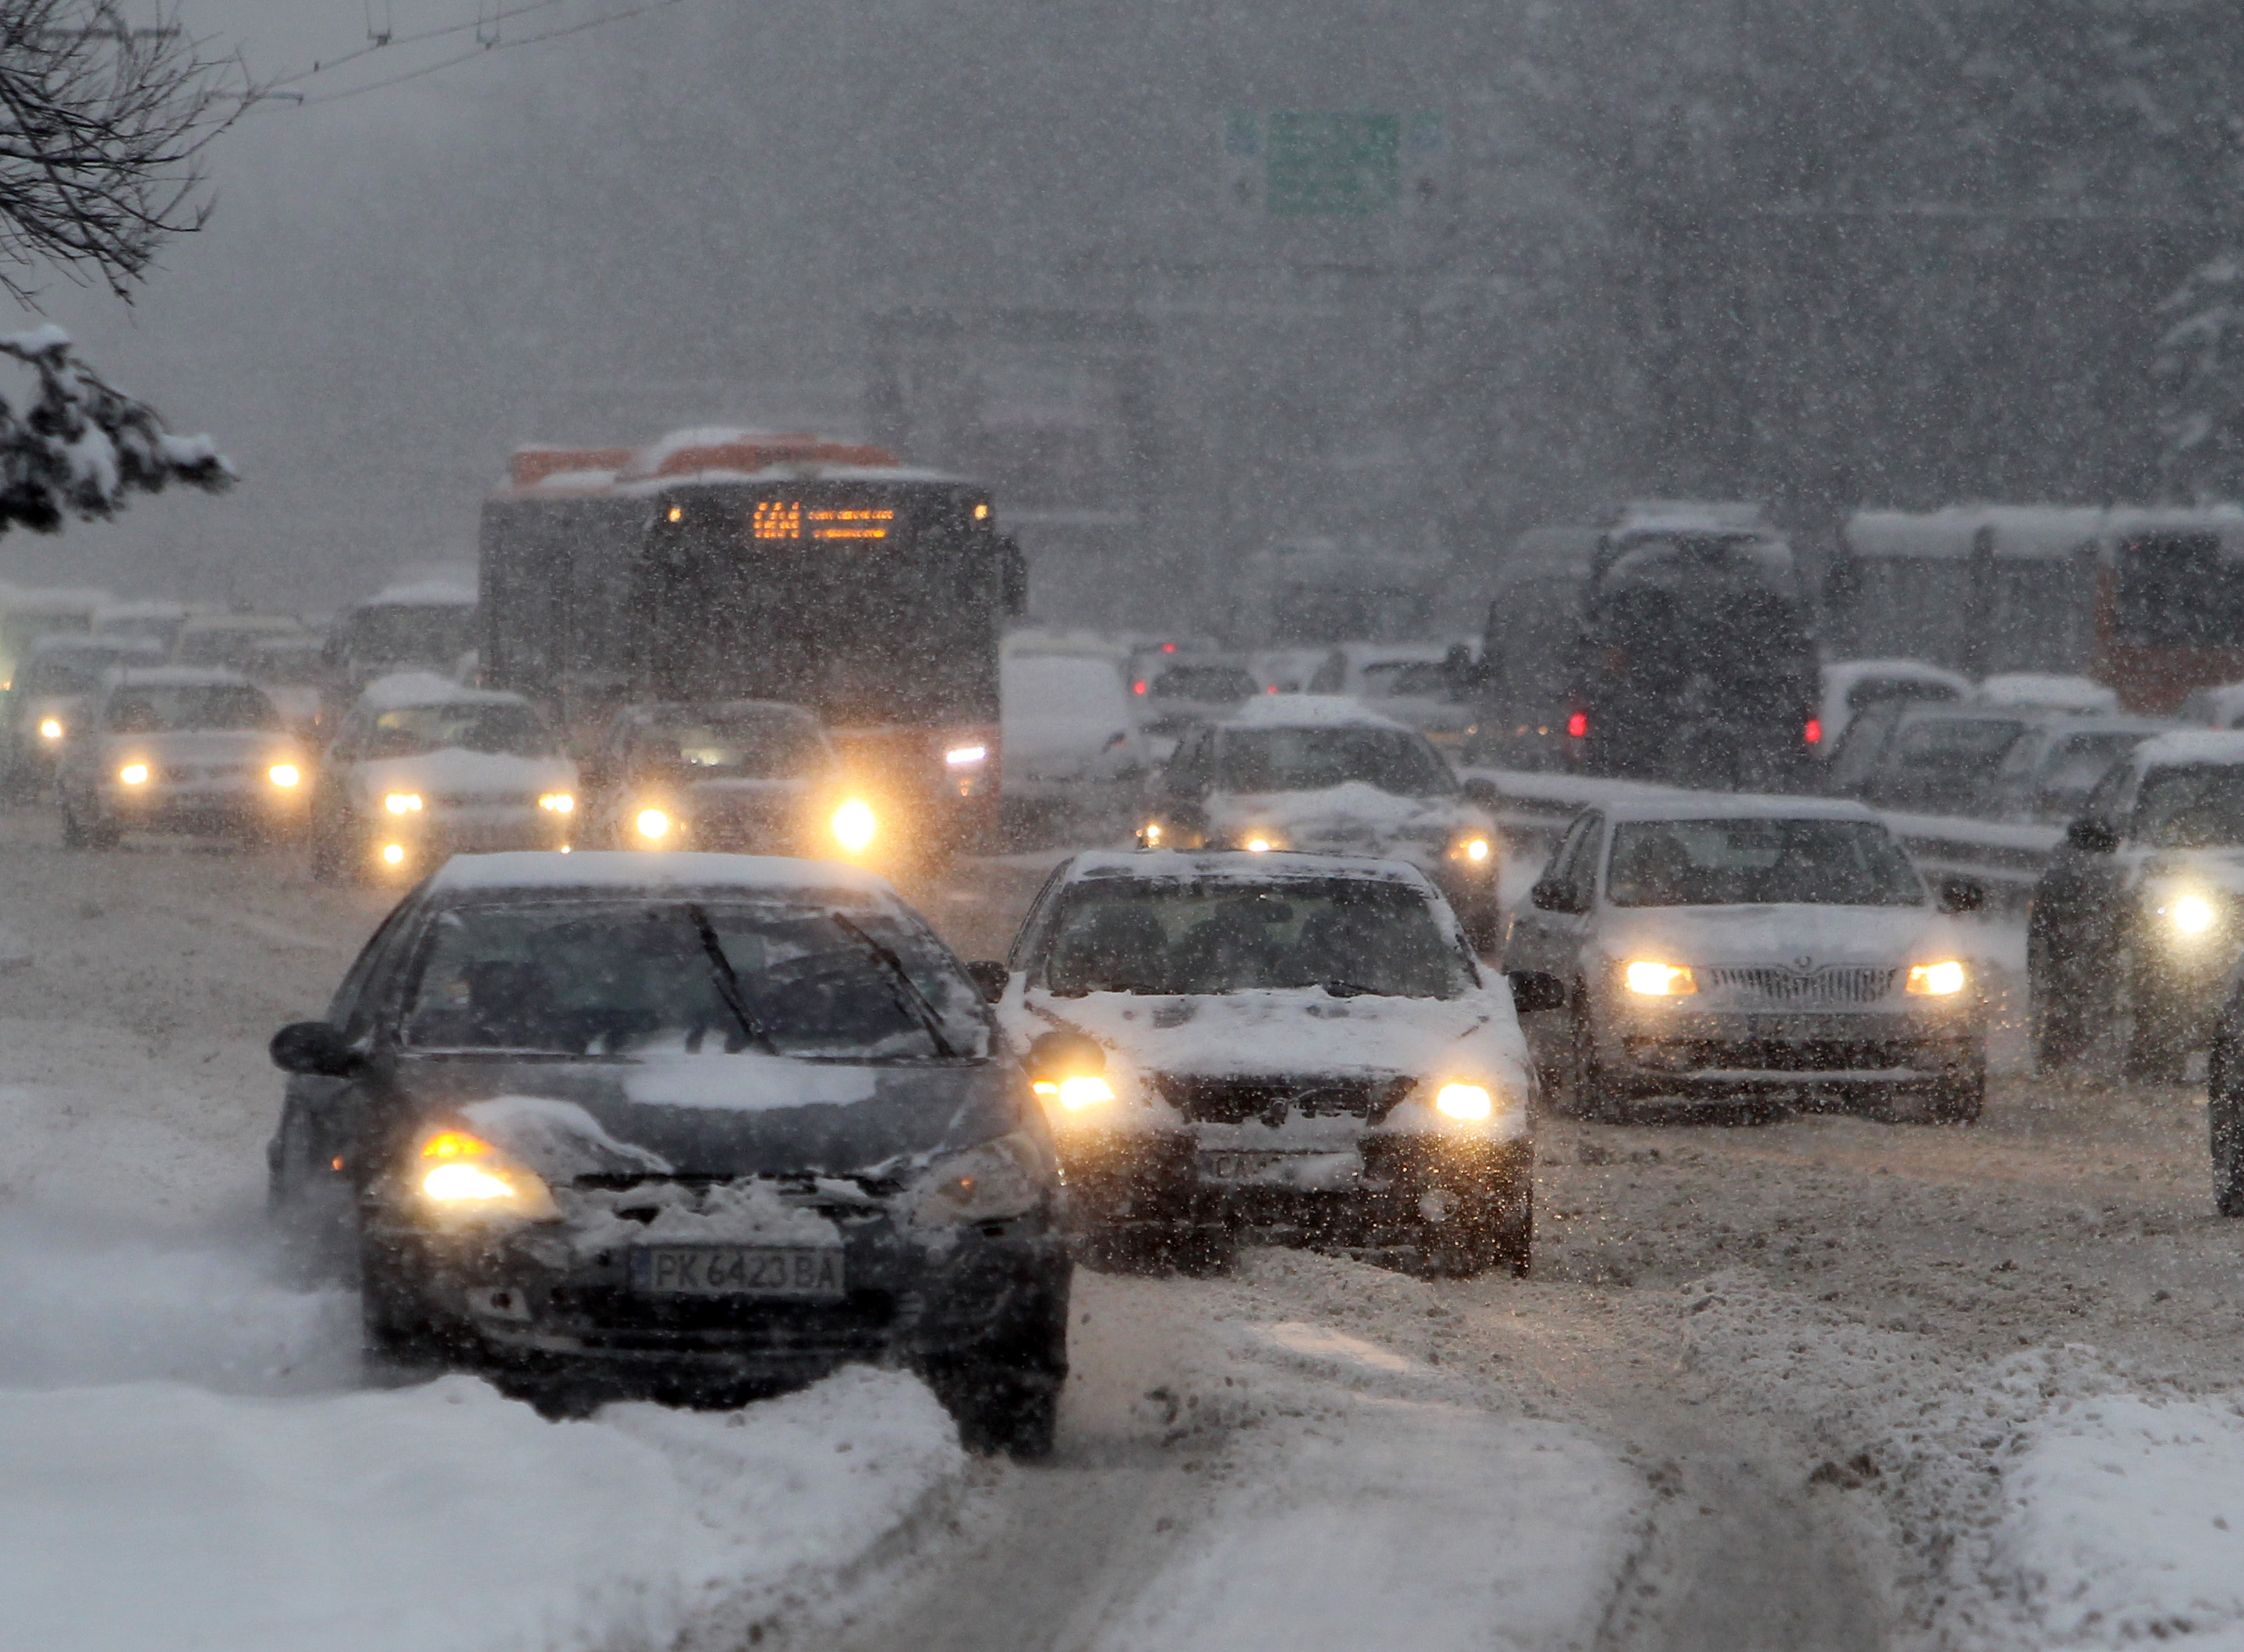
(1533, 990)
(1069, 1055)
(1960, 894)
(1556, 895)
(2092, 835)
(317, 1048)
(990, 976)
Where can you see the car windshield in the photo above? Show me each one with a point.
(229, 647)
(179, 709)
(1278, 760)
(496, 728)
(733, 745)
(1350, 935)
(2074, 765)
(1756, 862)
(620, 977)
(1205, 684)
(78, 671)
(1419, 679)
(2201, 807)
(289, 666)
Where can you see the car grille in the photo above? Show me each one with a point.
(1781, 1055)
(1234, 1100)
(1836, 983)
(485, 800)
(859, 1324)
(743, 817)
(187, 774)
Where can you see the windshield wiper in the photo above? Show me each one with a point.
(910, 999)
(728, 985)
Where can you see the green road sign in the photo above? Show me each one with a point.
(1328, 163)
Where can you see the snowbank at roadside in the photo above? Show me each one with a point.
(443, 1518)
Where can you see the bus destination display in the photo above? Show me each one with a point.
(793, 520)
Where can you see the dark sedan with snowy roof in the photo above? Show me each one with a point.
(698, 1123)
(1291, 1046)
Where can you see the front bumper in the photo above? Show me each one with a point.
(250, 805)
(996, 1292)
(1839, 1057)
(1182, 1177)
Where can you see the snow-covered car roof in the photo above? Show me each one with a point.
(1235, 865)
(1847, 673)
(2211, 746)
(639, 871)
(1308, 711)
(1744, 806)
(176, 677)
(68, 642)
(401, 688)
(422, 593)
(2054, 690)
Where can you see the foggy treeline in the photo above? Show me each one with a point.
(1824, 253)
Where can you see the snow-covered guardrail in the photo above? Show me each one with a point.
(1532, 806)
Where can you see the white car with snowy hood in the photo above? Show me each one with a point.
(1757, 951)
(679, 1124)
(422, 768)
(1295, 1045)
(180, 748)
(1318, 774)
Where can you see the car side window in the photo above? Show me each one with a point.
(1031, 934)
(1561, 857)
(1582, 864)
(353, 1006)
(2103, 803)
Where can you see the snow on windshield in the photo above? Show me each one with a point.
(1124, 936)
(1760, 861)
(493, 727)
(1313, 759)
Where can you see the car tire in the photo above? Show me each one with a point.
(2224, 1115)
(1491, 1230)
(2064, 1009)
(1589, 1093)
(402, 1335)
(1000, 1410)
(2158, 1038)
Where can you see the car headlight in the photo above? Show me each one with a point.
(557, 803)
(1475, 847)
(2190, 914)
(457, 1173)
(133, 774)
(402, 802)
(1655, 980)
(50, 728)
(284, 775)
(999, 1180)
(1261, 842)
(1470, 1102)
(652, 823)
(854, 826)
(966, 756)
(1150, 836)
(1084, 1090)
(393, 853)
(1944, 979)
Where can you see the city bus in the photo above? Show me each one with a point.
(737, 565)
(2149, 601)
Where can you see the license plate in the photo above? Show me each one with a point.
(736, 1270)
(1262, 1166)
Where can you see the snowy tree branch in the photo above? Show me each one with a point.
(80, 446)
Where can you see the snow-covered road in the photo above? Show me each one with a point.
(1819, 1383)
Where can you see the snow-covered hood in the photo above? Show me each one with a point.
(719, 1115)
(1355, 818)
(1781, 935)
(454, 773)
(1296, 1030)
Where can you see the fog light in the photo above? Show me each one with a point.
(133, 774)
(283, 774)
(393, 853)
(1471, 1103)
(855, 825)
(50, 729)
(652, 823)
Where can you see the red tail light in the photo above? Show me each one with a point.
(1577, 726)
(1814, 733)
(1168, 647)
(1138, 687)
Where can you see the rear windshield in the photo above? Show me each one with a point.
(1760, 861)
(731, 745)
(1345, 934)
(226, 646)
(496, 730)
(1280, 760)
(2195, 807)
(1421, 679)
(1205, 684)
(178, 709)
(601, 977)
(1878, 690)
